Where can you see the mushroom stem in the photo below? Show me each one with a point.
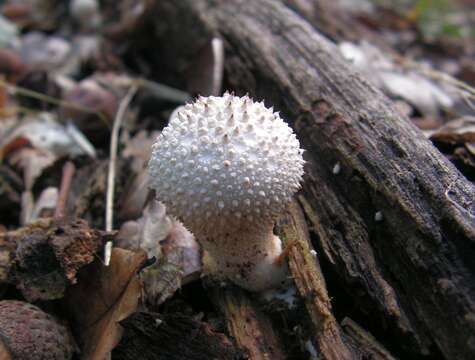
(249, 257)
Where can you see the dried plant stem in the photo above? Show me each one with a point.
(68, 173)
(43, 97)
(119, 117)
(465, 89)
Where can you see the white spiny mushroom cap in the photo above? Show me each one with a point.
(223, 162)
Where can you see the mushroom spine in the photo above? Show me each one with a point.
(227, 167)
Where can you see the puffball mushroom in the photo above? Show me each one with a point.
(227, 166)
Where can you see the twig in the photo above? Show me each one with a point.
(66, 179)
(119, 117)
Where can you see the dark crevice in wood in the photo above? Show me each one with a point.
(151, 336)
(293, 326)
(352, 302)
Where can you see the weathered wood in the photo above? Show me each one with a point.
(394, 219)
(308, 278)
(251, 328)
(171, 337)
(368, 346)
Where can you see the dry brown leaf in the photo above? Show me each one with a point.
(11, 65)
(175, 248)
(33, 14)
(46, 204)
(413, 85)
(147, 232)
(32, 162)
(179, 237)
(89, 94)
(139, 148)
(131, 19)
(134, 196)
(179, 264)
(102, 298)
(41, 52)
(459, 131)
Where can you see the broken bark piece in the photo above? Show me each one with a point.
(151, 336)
(43, 258)
(367, 345)
(305, 269)
(251, 328)
(394, 219)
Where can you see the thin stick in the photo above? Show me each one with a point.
(119, 117)
(66, 179)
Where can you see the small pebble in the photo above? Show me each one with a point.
(378, 216)
(336, 169)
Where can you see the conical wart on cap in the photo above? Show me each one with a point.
(225, 164)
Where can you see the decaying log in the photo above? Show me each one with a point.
(392, 218)
(172, 337)
(251, 328)
(305, 269)
(43, 258)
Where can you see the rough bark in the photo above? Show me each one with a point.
(309, 280)
(42, 259)
(393, 219)
(171, 337)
